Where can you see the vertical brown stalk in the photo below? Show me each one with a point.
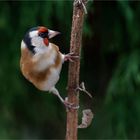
(74, 69)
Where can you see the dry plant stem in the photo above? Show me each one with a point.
(74, 69)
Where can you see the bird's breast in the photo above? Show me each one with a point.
(42, 77)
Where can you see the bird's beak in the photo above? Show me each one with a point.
(52, 33)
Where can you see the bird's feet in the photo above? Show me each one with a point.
(71, 57)
(69, 105)
(65, 102)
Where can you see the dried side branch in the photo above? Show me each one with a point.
(83, 89)
(86, 119)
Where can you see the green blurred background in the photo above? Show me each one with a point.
(110, 67)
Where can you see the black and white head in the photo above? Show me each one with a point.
(38, 37)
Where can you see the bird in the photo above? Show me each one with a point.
(41, 61)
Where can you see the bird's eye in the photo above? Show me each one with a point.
(43, 34)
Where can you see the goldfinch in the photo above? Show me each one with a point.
(41, 61)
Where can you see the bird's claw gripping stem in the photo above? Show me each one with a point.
(71, 57)
(70, 105)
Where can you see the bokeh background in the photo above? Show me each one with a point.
(110, 68)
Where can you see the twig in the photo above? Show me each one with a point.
(79, 3)
(74, 69)
(82, 88)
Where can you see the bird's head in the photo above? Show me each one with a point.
(38, 37)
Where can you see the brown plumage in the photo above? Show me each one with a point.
(41, 61)
(28, 66)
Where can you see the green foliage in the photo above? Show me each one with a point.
(123, 92)
(110, 68)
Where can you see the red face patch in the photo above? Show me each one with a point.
(43, 32)
(46, 41)
(43, 29)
